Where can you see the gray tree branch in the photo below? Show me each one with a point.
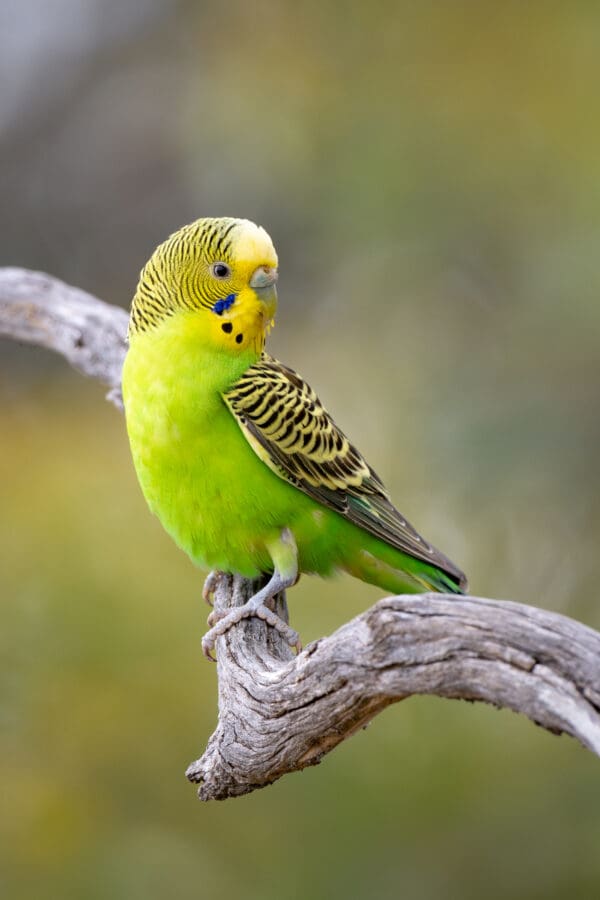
(279, 713)
(39, 309)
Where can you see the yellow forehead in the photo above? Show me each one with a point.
(252, 245)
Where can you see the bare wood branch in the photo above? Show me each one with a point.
(42, 310)
(279, 713)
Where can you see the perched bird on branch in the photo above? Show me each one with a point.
(234, 452)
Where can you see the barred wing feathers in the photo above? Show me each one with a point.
(288, 428)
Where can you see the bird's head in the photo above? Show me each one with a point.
(217, 274)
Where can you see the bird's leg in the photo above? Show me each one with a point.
(285, 561)
(210, 586)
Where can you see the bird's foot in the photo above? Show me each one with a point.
(256, 606)
(284, 554)
(210, 586)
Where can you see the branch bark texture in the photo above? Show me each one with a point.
(39, 309)
(279, 713)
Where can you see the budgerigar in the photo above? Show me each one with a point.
(234, 452)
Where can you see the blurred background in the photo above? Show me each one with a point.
(430, 174)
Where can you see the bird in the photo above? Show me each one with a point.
(234, 452)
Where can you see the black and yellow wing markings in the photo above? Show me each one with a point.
(288, 428)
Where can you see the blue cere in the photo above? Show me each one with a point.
(221, 305)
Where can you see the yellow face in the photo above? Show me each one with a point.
(221, 273)
(246, 312)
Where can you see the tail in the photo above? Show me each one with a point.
(399, 573)
(443, 582)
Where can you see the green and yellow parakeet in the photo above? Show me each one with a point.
(234, 452)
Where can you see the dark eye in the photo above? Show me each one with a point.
(220, 270)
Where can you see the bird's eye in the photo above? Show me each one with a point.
(220, 270)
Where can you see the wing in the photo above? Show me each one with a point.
(283, 420)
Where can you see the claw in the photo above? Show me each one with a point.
(207, 646)
(214, 617)
(221, 623)
(210, 585)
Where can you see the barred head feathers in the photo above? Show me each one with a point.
(202, 265)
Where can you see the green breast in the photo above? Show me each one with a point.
(218, 501)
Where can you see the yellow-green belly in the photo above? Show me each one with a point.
(199, 475)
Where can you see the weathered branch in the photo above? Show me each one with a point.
(90, 334)
(279, 713)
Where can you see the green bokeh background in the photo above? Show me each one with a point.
(430, 174)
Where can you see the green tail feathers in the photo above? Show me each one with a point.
(399, 573)
(442, 582)
(418, 577)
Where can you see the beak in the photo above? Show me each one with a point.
(264, 276)
(263, 283)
